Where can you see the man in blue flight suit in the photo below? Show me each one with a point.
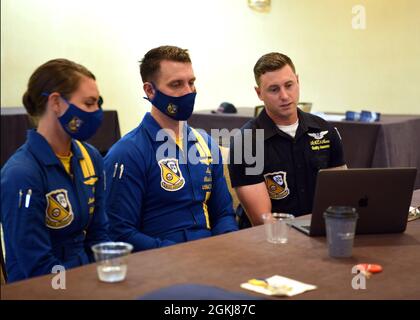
(165, 179)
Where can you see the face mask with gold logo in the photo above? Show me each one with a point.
(177, 108)
(79, 124)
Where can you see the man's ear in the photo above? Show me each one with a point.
(297, 78)
(149, 90)
(258, 91)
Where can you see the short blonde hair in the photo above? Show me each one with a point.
(271, 62)
(150, 64)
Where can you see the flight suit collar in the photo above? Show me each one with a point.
(41, 149)
(152, 127)
(263, 121)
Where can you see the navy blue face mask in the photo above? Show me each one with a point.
(80, 125)
(177, 108)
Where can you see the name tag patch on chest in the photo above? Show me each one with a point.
(59, 213)
(319, 142)
(276, 183)
(171, 175)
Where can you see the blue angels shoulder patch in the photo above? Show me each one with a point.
(171, 175)
(59, 213)
(276, 183)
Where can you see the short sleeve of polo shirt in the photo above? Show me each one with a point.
(244, 167)
(337, 154)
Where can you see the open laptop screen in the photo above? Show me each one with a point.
(381, 196)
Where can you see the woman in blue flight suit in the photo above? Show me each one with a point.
(52, 204)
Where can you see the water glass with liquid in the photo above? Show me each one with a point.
(111, 258)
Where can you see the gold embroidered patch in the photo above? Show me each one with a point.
(320, 144)
(171, 175)
(59, 213)
(172, 109)
(74, 124)
(276, 183)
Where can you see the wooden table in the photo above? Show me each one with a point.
(228, 260)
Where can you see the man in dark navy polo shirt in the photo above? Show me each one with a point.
(295, 145)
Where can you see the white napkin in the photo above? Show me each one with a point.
(277, 286)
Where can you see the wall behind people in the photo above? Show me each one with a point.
(341, 68)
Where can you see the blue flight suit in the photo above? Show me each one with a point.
(156, 200)
(50, 218)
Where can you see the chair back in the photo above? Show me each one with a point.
(257, 110)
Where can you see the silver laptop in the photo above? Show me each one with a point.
(381, 196)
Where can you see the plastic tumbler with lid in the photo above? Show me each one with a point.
(340, 224)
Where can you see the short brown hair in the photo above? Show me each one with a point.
(271, 62)
(58, 75)
(150, 64)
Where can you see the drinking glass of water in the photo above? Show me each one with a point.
(276, 226)
(111, 258)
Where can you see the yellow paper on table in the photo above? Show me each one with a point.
(277, 286)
